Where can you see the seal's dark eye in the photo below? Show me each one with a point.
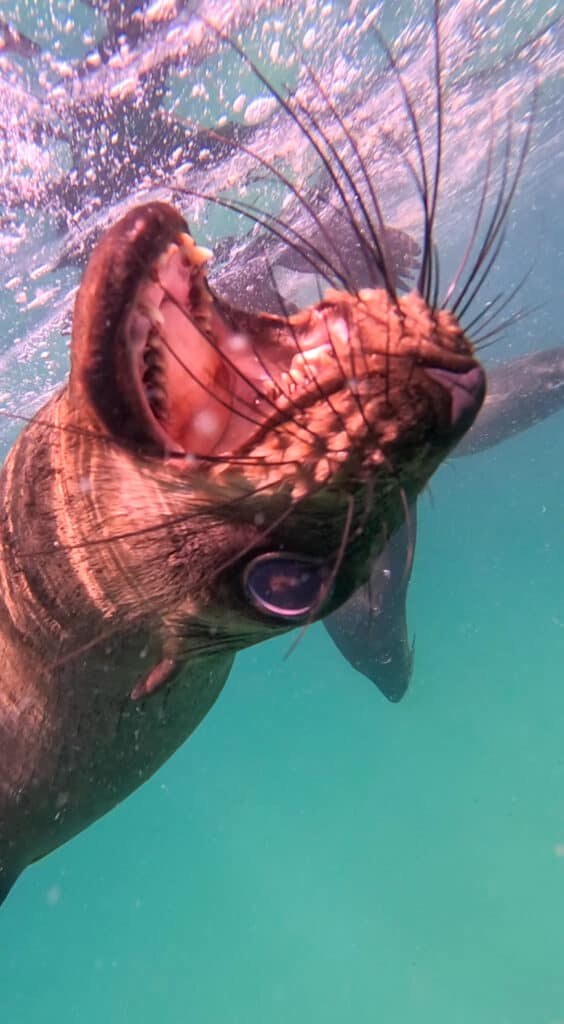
(284, 585)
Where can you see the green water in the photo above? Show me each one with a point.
(314, 854)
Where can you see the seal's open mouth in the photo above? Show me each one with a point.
(172, 367)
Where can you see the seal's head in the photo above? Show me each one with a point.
(295, 442)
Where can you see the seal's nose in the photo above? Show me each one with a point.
(467, 392)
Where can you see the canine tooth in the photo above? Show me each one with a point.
(203, 253)
(195, 254)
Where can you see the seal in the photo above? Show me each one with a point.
(370, 629)
(208, 478)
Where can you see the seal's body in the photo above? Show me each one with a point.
(208, 478)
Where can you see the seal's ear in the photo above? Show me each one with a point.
(101, 383)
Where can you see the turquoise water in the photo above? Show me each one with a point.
(314, 854)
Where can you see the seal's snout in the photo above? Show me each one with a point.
(467, 392)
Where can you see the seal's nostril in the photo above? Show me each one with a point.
(467, 392)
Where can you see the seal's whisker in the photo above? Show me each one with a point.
(486, 271)
(437, 273)
(489, 307)
(163, 525)
(276, 226)
(63, 428)
(493, 309)
(423, 178)
(379, 253)
(495, 232)
(288, 107)
(393, 65)
(428, 248)
(491, 234)
(521, 314)
(477, 220)
(305, 204)
(370, 256)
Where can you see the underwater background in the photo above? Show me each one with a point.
(313, 853)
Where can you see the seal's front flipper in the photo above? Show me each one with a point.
(370, 629)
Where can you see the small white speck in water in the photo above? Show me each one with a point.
(53, 895)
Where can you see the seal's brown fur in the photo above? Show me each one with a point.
(121, 603)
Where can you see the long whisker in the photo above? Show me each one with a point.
(497, 225)
(521, 314)
(379, 241)
(307, 206)
(477, 221)
(291, 112)
(222, 508)
(423, 179)
(492, 310)
(276, 226)
(371, 258)
(486, 271)
(428, 250)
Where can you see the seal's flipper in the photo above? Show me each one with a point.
(370, 630)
